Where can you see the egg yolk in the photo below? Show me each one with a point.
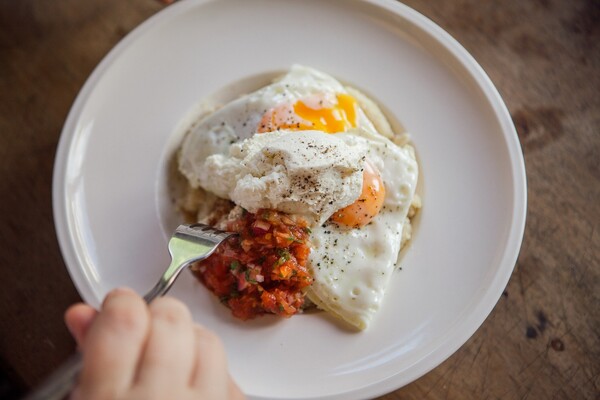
(312, 113)
(368, 204)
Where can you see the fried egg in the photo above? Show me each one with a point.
(352, 262)
(303, 99)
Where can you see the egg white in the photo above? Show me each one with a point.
(352, 267)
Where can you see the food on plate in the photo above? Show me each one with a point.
(263, 270)
(318, 185)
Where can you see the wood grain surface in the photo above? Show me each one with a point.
(542, 341)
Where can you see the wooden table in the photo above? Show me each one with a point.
(542, 339)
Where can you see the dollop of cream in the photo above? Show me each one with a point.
(310, 173)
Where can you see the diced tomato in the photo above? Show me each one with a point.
(263, 269)
(260, 227)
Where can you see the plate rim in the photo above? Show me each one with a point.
(506, 264)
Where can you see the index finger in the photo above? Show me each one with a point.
(113, 345)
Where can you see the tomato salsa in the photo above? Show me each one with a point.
(263, 269)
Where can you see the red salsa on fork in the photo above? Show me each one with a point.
(263, 269)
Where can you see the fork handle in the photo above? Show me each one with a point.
(60, 382)
(158, 290)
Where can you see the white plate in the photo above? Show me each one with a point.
(109, 197)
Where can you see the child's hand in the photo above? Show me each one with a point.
(134, 351)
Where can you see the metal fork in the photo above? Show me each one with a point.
(189, 243)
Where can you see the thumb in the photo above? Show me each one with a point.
(79, 318)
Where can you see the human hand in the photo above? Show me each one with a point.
(135, 351)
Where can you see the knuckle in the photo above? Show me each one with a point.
(209, 337)
(124, 315)
(171, 310)
(124, 310)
